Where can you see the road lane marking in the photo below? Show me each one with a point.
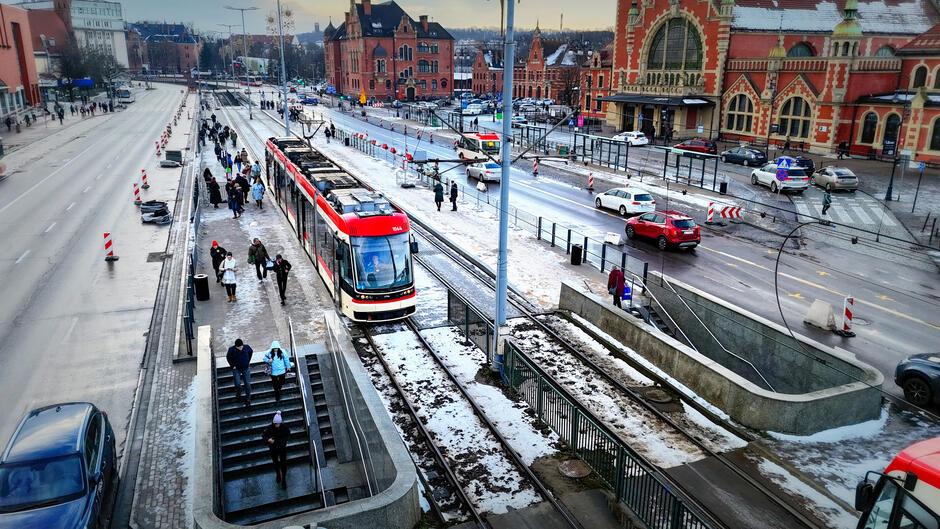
(50, 175)
(796, 295)
(87, 189)
(68, 333)
(23, 256)
(49, 228)
(889, 219)
(841, 216)
(823, 273)
(72, 205)
(860, 213)
(884, 298)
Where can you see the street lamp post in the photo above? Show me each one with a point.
(897, 145)
(245, 46)
(231, 48)
(280, 31)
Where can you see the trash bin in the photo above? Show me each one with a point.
(346, 141)
(723, 188)
(201, 286)
(576, 251)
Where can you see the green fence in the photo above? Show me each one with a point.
(621, 468)
(475, 326)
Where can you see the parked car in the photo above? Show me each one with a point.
(626, 200)
(485, 171)
(668, 228)
(58, 470)
(473, 109)
(702, 146)
(801, 161)
(633, 137)
(797, 179)
(835, 178)
(518, 120)
(309, 101)
(919, 376)
(745, 156)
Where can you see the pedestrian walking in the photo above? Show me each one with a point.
(235, 201)
(843, 149)
(281, 268)
(256, 171)
(275, 436)
(217, 253)
(786, 144)
(615, 285)
(257, 193)
(438, 194)
(243, 185)
(61, 114)
(239, 359)
(278, 365)
(453, 195)
(332, 129)
(258, 255)
(326, 134)
(827, 202)
(228, 276)
(215, 193)
(234, 137)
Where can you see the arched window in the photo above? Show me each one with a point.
(795, 118)
(845, 49)
(434, 66)
(740, 113)
(936, 79)
(800, 50)
(919, 78)
(935, 136)
(676, 46)
(424, 66)
(892, 125)
(380, 66)
(405, 53)
(885, 51)
(869, 124)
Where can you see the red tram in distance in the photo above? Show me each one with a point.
(360, 243)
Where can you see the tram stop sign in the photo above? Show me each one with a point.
(783, 169)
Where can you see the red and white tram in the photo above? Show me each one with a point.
(360, 243)
(907, 494)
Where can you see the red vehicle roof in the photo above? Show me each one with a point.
(488, 137)
(672, 214)
(923, 459)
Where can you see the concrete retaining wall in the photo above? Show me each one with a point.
(394, 505)
(747, 403)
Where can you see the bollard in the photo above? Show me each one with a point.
(136, 194)
(109, 248)
(591, 181)
(711, 213)
(144, 178)
(535, 167)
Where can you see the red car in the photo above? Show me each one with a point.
(669, 228)
(703, 146)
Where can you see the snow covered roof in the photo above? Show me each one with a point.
(904, 17)
(570, 59)
(553, 58)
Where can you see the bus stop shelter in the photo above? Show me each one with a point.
(689, 167)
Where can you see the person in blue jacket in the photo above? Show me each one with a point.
(280, 364)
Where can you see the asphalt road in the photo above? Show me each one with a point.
(73, 327)
(896, 311)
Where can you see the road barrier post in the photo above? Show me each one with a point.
(538, 229)
(143, 176)
(136, 194)
(711, 213)
(109, 248)
(603, 256)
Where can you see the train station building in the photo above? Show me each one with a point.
(816, 73)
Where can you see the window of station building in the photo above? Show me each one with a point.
(405, 53)
(388, 84)
(740, 113)
(800, 50)
(795, 118)
(869, 125)
(371, 84)
(885, 51)
(936, 79)
(935, 136)
(380, 66)
(919, 78)
(892, 126)
(433, 84)
(424, 66)
(675, 46)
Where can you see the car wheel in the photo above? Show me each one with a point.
(851, 190)
(773, 187)
(753, 179)
(917, 391)
(744, 162)
(631, 233)
(723, 159)
(623, 211)
(460, 155)
(469, 175)
(662, 242)
(829, 188)
(597, 202)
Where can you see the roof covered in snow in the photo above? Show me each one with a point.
(384, 18)
(904, 17)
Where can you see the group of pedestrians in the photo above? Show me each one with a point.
(439, 194)
(225, 268)
(276, 363)
(238, 170)
(267, 105)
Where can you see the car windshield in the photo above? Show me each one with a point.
(382, 262)
(34, 484)
(683, 223)
(642, 197)
(489, 146)
(492, 166)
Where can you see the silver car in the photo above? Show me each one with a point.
(485, 171)
(836, 178)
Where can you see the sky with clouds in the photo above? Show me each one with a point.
(208, 14)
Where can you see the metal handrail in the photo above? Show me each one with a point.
(304, 388)
(218, 440)
(725, 349)
(666, 312)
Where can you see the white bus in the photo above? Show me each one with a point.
(477, 146)
(124, 95)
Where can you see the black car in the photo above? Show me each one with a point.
(745, 156)
(801, 161)
(919, 376)
(59, 469)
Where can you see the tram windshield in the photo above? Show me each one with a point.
(382, 262)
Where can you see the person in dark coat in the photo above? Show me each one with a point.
(244, 185)
(438, 194)
(217, 253)
(207, 175)
(215, 193)
(615, 285)
(235, 201)
(239, 359)
(453, 195)
(275, 437)
(259, 256)
(281, 269)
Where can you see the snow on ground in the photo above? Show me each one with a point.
(464, 359)
(186, 448)
(490, 479)
(821, 505)
(432, 303)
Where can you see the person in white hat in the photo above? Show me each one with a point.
(275, 436)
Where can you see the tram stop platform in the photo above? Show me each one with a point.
(346, 464)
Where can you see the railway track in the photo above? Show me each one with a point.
(531, 312)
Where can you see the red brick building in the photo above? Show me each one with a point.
(487, 75)
(817, 73)
(596, 82)
(381, 51)
(550, 71)
(19, 83)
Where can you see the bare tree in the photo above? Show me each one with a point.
(164, 56)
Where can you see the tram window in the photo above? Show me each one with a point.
(322, 234)
(915, 516)
(309, 218)
(382, 262)
(346, 265)
(880, 514)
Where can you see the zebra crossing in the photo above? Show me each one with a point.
(850, 209)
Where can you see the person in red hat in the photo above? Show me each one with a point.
(218, 255)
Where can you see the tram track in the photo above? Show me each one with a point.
(531, 313)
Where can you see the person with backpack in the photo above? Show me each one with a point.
(438, 194)
(278, 364)
(615, 285)
(281, 268)
(258, 255)
(257, 192)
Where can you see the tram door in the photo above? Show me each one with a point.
(336, 265)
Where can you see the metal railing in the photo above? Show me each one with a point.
(634, 481)
(220, 474)
(474, 324)
(305, 395)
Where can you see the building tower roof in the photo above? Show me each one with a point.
(849, 27)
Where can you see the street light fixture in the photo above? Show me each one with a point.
(231, 48)
(897, 142)
(245, 46)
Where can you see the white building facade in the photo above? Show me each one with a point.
(95, 23)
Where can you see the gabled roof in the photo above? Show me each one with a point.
(901, 17)
(163, 32)
(50, 24)
(927, 42)
(385, 18)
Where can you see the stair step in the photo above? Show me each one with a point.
(260, 455)
(251, 445)
(259, 406)
(256, 424)
(260, 465)
(276, 509)
(239, 435)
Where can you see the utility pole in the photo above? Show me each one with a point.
(245, 46)
(231, 47)
(509, 59)
(280, 30)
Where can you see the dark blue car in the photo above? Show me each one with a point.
(58, 470)
(309, 101)
(919, 377)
